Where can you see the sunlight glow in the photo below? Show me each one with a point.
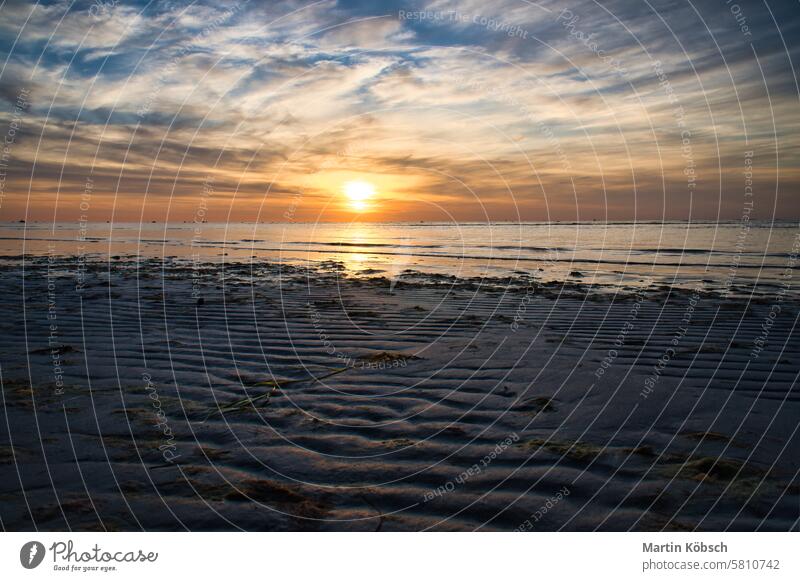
(358, 192)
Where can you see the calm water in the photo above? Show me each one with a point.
(716, 254)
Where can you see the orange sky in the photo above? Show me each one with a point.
(256, 113)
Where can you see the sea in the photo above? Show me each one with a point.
(737, 257)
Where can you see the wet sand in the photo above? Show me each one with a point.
(162, 395)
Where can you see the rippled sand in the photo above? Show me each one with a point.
(166, 396)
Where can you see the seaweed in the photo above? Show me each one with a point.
(398, 443)
(576, 450)
(715, 469)
(275, 493)
(712, 437)
(535, 405)
(264, 398)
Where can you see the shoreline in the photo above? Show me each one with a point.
(516, 281)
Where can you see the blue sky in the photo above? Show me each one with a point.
(453, 110)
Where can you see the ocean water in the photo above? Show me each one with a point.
(740, 257)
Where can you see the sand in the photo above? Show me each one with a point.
(166, 395)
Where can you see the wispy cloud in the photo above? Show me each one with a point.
(550, 109)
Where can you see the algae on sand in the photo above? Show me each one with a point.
(537, 404)
(576, 450)
(714, 469)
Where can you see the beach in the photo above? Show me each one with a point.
(172, 393)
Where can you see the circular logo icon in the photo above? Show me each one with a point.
(31, 554)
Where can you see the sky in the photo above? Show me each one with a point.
(399, 111)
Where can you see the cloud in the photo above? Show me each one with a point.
(603, 108)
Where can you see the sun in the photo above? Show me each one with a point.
(358, 192)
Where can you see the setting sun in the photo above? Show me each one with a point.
(358, 192)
